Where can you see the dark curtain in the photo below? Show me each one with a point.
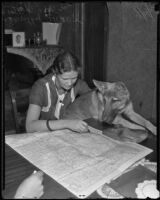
(96, 37)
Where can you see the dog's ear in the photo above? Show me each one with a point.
(99, 85)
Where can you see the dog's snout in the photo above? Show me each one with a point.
(109, 115)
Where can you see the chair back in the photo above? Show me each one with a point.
(20, 103)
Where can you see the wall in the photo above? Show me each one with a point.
(132, 51)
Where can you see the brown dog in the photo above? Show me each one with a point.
(110, 103)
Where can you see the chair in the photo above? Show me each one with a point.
(20, 103)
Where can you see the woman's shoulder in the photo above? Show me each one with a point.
(44, 80)
(81, 86)
(80, 82)
(38, 91)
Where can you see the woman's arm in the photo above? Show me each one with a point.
(33, 124)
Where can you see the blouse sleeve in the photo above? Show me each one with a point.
(37, 94)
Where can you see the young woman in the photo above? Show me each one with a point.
(51, 95)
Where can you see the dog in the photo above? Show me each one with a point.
(110, 103)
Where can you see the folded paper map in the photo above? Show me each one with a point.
(79, 162)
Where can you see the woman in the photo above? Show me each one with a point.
(53, 93)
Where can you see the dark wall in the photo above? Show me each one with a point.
(28, 16)
(132, 52)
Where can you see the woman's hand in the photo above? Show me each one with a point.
(77, 125)
(31, 187)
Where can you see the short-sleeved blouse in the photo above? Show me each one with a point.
(44, 94)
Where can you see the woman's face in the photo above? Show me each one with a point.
(67, 79)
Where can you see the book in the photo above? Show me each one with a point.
(127, 183)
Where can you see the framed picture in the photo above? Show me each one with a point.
(18, 39)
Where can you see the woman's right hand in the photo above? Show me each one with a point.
(31, 187)
(77, 125)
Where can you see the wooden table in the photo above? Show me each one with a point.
(17, 168)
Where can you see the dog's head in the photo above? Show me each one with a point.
(113, 96)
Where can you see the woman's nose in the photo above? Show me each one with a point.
(70, 82)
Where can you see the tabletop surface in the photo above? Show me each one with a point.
(52, 190)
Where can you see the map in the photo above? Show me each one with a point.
(79, 162)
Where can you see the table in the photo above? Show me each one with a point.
(15, 163)
(52, 189)
(42, 56)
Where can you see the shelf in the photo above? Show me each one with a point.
(42, 56)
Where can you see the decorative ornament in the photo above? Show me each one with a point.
(147, 189)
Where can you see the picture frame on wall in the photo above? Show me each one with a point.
(18, 39)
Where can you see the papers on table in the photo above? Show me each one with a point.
(79, 162)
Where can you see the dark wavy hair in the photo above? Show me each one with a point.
(65, 62)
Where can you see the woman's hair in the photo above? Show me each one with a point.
(65, 62)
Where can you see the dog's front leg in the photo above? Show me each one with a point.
(125, 123)
(135, 117)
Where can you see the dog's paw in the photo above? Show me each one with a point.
(154, 130)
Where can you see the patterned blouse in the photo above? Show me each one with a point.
(45, 95)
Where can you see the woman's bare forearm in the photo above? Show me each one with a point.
(41, 125)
